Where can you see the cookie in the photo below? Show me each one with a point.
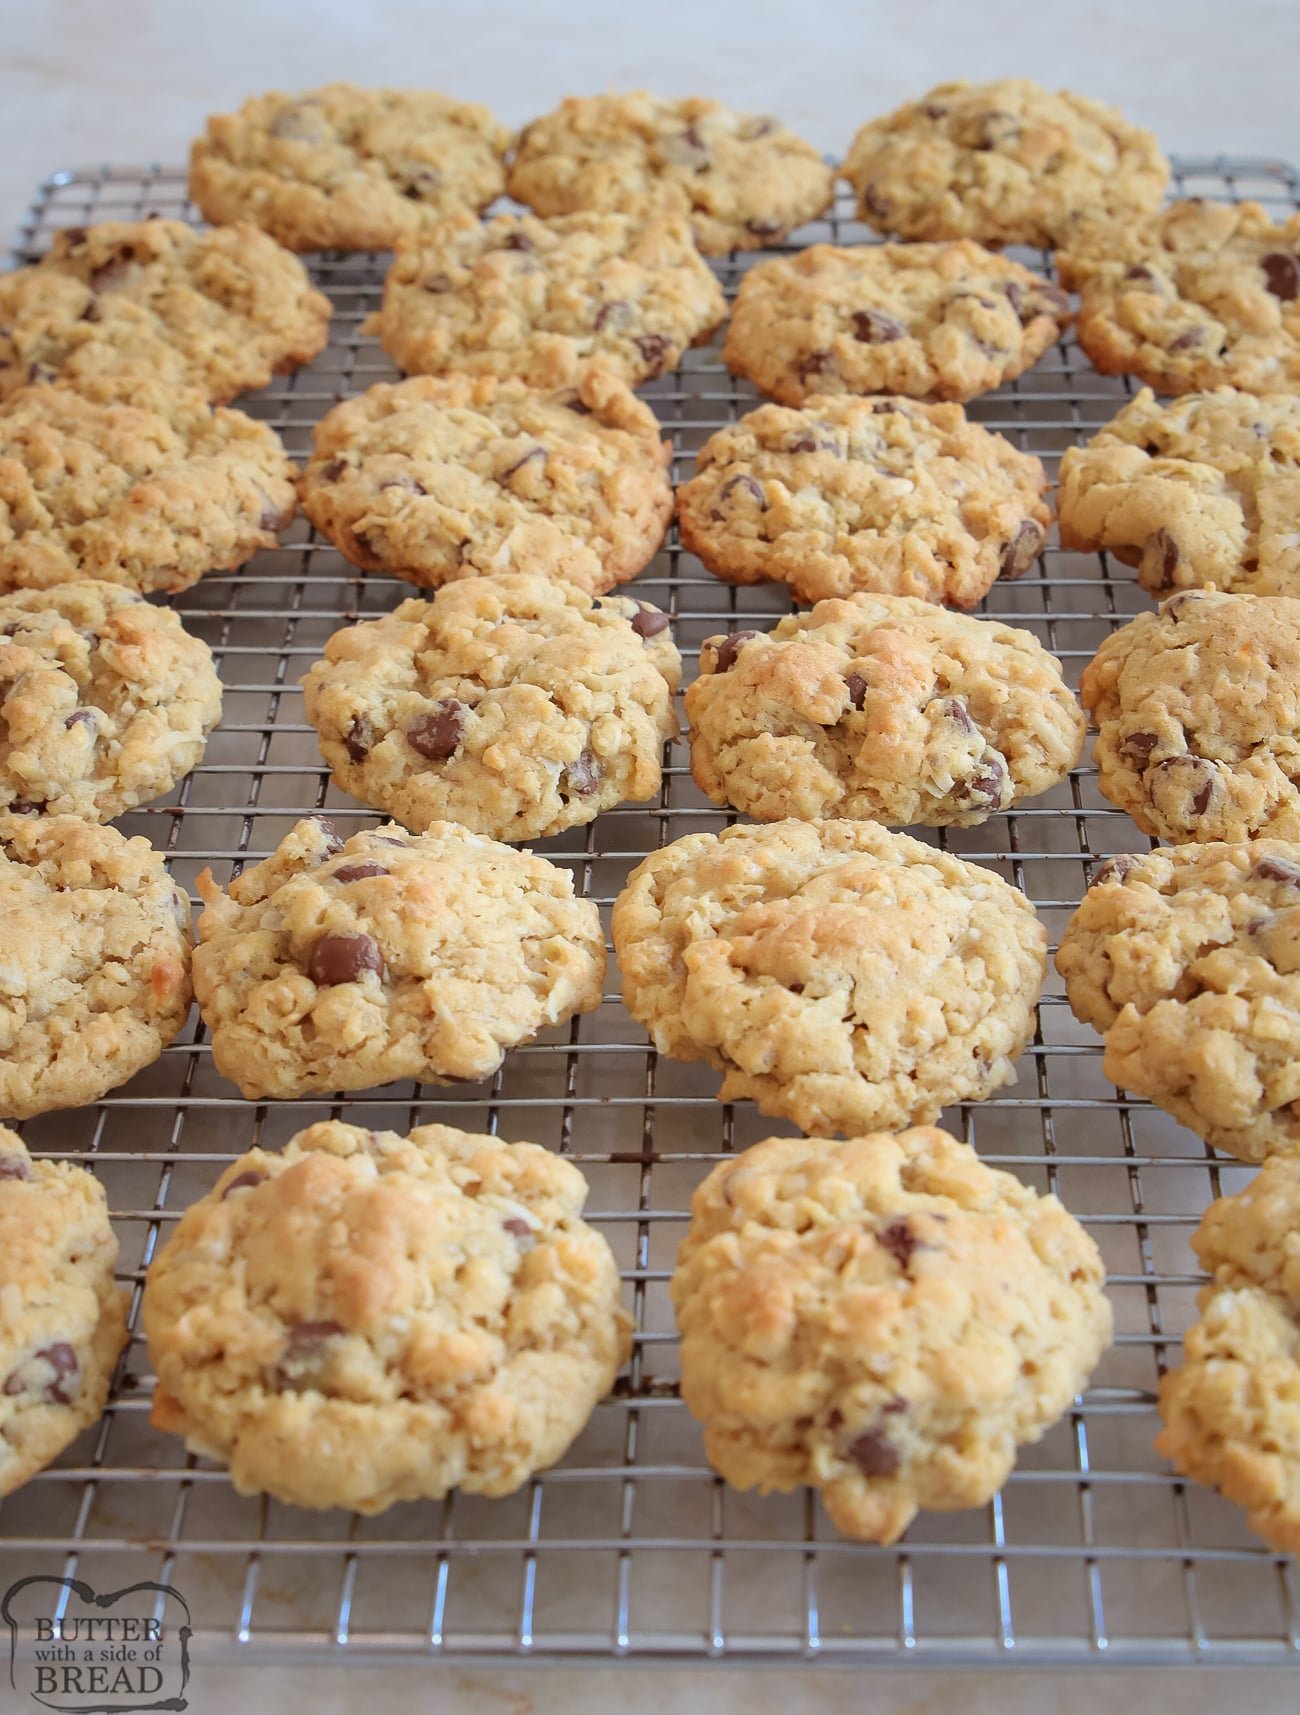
(62, 1318)
(96, 962)
(742, 180)
(137, 484)
(932, 321)
(445, 477)
(1229, 1411)
(1197, 710)
(1201, 295)
(1203, 490)
(1184, 960)
(1005, 162)
(885, 1319)
(884, 709)
(343, 965)
(837, 975)
(157, 300)
(544, 300)
(106, 700)
(343, 168)
(362, 1318)
(516, 706)
(885, 495)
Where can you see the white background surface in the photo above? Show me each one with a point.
(131, 81)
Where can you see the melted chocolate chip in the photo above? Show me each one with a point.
(520, 1228)
(856, 686)
(1278, 869)
(334, 470)
(1139, 745)
(986, 783)
(300, 1362)
(1200, 783)
(80, 717)
(807, 442)
(746, 485)
(358, 871)
(582, 776)
(63, 1360)
(647, 621)
(725, 653)
(436, 283)
(517, 241)
(900, 1241)
(530, 457)
(73, 237)
(92, 312)
(1185, 341)
(875, 203)
(1178, 605)
(765, 228)
(437, 735)
(613, 314)
(874, 327)
(1163, 556)
(1138, 272)
(343, 959)
(820, 362)
(272, 518)
(874, 1455)
(242, 1180)
(14, 1167)
(333, 839)
(358, 739)
(40, 372)
(1114, 869)
(995, 130)
(25, 807)
(407, 483)
(654, 349)
(1281, 274)
(958, 714)
(575, 403)
(1023, 549)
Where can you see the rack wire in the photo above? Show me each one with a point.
(1093, 1552)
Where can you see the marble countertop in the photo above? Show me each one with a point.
(81, 82)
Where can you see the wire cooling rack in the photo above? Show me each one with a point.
(1094, 1551)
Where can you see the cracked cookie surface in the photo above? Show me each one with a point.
(885, 1319)
(931, 321)
(838, 975)
(222, 311)
(1187, 961)
(134, 483)
(96, 961)
(1197, 710)
(880, 708)
(343, 965)
(62, 1317)
(742, 180)
(890, 496)
(544, 300)
(1007, 162)
(445, 477)
(345, 168)
(362, 1318)
(517, 706)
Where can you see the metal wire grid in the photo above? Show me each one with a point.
(1094, 1551)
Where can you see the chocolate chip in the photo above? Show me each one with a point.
(437, 735)
(746, 485)
(73, 237)
(935, 110)
(900, 1241)
(1278, 869)
(763, 126)
(358, 739)
(436, 283)
(272, 518)
(1161, 555)
(300, 1362)
(529, 457)
(40, 372)
(1185, 341)
(1139, 745)
(765, 228)
(1023, 549)
(103, 279)
(1200, 785)
(407, 483)
(92, 312)
(820, 362)
(421, 181)
(25, 807)
(583, 775)
(254, 1176)
(1015, 296)
(80, 717)
(14, 1167)
(807, 442)
(874, 327)
(1114, 869)
(856, 686)
(63, 1360)
(995, 130)
(343, 959)
(1138, 272)
(647, 621)
(1282, 274)
(575, 403)
(875, 203)
(957, 712)
(614, 314)
(725, 653)
(874, 1455)
(390, 840)
(687, 149)
(357, 871)
(520, 1228)
(1046, 300)
(986, 783)
(333, 839)
(654, 349)
(334, 470)
(517, 241)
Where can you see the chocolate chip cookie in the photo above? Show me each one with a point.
(885, 1319)
(1184, 960)
(1229, 1412)
(886, 495)
(517, 706)
(932, 321)
(1197, 709)
(742, 180)
(1205, 489)
(343, 168)
(343, 965)
(96, 961)
(106, 700)
(544, 300)
(362, 1318)
(1005, 162)
(840, 976)
(1201, 295)
(155, 299)
(444, 477)
(880, 708)
(134, 483)
(63, 1320)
